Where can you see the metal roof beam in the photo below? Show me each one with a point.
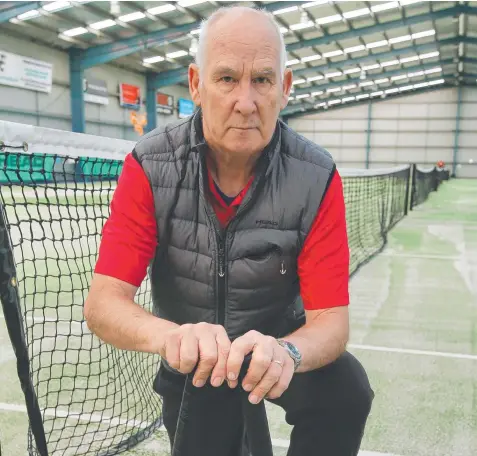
(469, 60)
(171, 77)
(367, 101)
(300, 108)
(384, 74)
(19, 8)
(105, 53)
(470, 40)
(467, 9)
(380, 55)
(419, 18)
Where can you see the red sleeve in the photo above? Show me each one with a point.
(323, 263)
(129, 236)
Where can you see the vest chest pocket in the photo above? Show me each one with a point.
(270, 265)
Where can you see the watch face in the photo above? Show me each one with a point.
(294, 350)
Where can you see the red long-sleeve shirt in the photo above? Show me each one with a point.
(129, 238)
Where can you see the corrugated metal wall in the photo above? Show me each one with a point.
(417, 128)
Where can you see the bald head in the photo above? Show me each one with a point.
(239, 23)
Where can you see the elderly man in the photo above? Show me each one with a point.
(242, 222)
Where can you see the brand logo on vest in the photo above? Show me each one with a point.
(266, 222)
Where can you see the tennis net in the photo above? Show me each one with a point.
(375, 200)
(425, 181)
(84, 397)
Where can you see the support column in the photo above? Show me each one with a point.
(76, 91)
(151, 101)
(457, 130)
(368, 134)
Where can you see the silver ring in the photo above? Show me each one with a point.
(278, 362)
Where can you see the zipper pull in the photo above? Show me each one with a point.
(283, 269)
(221, 261)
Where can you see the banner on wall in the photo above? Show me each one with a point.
(19, 71)
(165, 103)
(185, 107)
(129, 96)
(95, 91)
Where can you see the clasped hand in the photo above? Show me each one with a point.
(218, 359)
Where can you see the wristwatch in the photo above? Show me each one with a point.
(294, 353)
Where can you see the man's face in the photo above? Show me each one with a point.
(242, 89)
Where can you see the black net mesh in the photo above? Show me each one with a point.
(92, 399)
(375, 201)
(425, 182)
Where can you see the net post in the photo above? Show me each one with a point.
(411, 188)
(408, 185)
(13, 319)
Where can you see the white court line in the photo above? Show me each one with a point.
(51, 320)
(374, 453)
(285, 443)
(423, 256)
(59, 413)
(279, 443)
(409, 351)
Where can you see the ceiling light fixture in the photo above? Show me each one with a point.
(132, 16)
(103, 24)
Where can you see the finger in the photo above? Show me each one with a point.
(172, 348)
(261, 360)
(207, 357)
(284, 382)
(268, 381)
(223, 350)
(189, 352)
(240, 347)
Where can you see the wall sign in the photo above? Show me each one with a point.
(129, 96)
(19, 71)
(186, 107)
(95, 91)
(165, 103)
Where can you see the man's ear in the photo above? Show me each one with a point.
(194, 81)
(287, 85)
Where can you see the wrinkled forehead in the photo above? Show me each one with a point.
(245, 45)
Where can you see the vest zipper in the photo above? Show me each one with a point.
(221, 236)
(221, 284)
(222, 267)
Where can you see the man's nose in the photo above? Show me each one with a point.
(246, 99)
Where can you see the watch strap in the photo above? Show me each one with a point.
(292, 351)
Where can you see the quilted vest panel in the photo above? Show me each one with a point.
(243, 277)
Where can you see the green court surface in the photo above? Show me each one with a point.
(413, 326)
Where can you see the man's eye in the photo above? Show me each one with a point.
(262, 80)
(227, 79)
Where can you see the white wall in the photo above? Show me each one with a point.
(414, 129)
(53, 110)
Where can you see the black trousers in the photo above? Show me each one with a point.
(327, 408)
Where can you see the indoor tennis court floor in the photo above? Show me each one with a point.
(414, 327)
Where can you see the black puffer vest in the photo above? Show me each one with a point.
(245, 276)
